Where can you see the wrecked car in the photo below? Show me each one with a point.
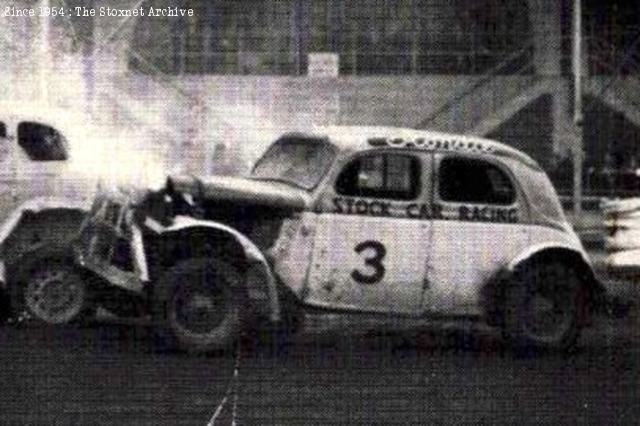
(51, 160)
(383, 222)
(40, 201)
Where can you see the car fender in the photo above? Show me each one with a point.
(493, 292)
(535, 249)
(585, 267)
(34, 205)
(251, 251)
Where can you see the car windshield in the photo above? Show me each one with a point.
(297, 161)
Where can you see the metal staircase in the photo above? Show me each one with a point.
(491, 99)
(614, 77)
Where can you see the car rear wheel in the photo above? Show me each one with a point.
(54, 292)
(197, 306)
(543, 307)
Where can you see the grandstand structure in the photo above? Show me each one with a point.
(220, 84)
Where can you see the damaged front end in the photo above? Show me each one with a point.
(257, 209)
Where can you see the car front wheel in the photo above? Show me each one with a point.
(543, 307)
(197, 306)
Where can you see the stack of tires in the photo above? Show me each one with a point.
(622, 242)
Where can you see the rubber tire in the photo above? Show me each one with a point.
(29, 264)
(527, 280)
(85, 314)
(187, 274)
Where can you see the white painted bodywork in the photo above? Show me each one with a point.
(467, 255)
(231, 188)
(334, 260)
(293, 250)
(432, 267)
(435, 266)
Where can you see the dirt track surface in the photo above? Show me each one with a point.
(108, 374)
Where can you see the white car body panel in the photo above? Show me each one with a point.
(347, 245)
(292, 252)
(467, 255)
(543, 238)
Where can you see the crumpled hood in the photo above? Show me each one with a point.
(235, 189)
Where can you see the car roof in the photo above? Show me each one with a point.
(66, 120)
(35, 112)
(359, 138)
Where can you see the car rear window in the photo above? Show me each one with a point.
(41, 142)
(466, 180)
(541, 193)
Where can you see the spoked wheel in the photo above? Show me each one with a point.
(54, 292)
(544, 307)
(197, 306)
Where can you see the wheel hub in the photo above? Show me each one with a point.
(54, 296)
(547, 317)
(199, 302)
(542, 306)
(200, 313)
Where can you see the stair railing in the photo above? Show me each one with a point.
(618, 66)
(486, 94)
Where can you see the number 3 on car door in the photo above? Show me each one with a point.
(373, 262)
(368, 255)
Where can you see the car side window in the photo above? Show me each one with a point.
(466, 180)
(381, 175)
(42, 142)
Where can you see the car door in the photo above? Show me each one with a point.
(369, 255)
(479, 231)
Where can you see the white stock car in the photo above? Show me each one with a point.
(41, 200)
(397, 223)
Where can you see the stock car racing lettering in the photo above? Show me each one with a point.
(361, 207)
(488, 214)
(424, 211)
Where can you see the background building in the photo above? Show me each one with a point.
(237, 73)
